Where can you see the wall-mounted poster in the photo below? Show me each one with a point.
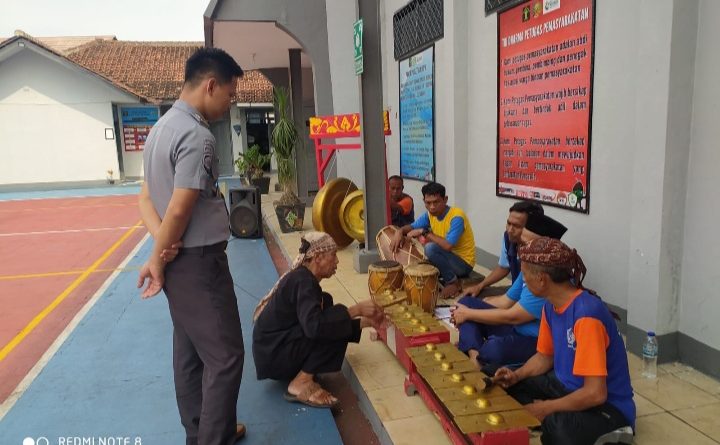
(545, 72)
(136, 124)
(417, 123)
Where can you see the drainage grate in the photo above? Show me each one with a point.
(417, 24)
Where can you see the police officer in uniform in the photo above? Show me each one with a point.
(181, 206)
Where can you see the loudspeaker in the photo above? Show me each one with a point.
(245, 212)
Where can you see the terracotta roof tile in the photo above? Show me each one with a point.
(67, 45)
(62, 44)
(21, 35)
(156, 69)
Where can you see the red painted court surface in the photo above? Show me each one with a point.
(54, 255)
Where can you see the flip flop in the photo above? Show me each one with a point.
(304, 397)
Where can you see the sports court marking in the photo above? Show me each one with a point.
(25, 383)
(50, 232)
(79, 280)
(36, 209)
(67, 272)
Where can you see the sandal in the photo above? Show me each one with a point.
(304, 397)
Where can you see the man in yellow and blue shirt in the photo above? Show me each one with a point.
(450, 244)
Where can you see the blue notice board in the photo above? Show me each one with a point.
(417, 123)
(136, 125)
(143, 116)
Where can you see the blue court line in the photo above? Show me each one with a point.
(113, 374)
(71, 193)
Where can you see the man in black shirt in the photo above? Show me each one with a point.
(299, 332)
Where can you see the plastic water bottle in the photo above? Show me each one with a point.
(650, 354)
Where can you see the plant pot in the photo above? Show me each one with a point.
(290, 217)
(263, 183)
(278, 187)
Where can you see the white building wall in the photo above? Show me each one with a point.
(239, 142)
(655, 99)
(391, 98)
(602, 237)
(345, 92)
(52, 122)
(700, 272)
(466, 132)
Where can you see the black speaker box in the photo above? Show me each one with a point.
(245, 212)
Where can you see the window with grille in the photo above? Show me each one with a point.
(417, 24)
(500, 5)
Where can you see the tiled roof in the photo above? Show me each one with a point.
(62, 44)
(66, 45)
(152, 70)
(156, 69)
(19, 35)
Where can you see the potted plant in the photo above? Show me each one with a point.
(251, 164)
(289, 209)
(109, 177)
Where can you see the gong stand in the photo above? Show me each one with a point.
(335, 128)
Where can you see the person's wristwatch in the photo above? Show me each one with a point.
(425, 231)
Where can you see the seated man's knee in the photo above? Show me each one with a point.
(475, 303)
(559, 429)
(432, 250)
(468, 301)
(492, 352)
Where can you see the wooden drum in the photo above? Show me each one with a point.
(421, 285)
(384, 275)
(411, 252)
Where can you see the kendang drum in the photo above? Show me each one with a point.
(384, 275)
(421, 285)
(411, 252)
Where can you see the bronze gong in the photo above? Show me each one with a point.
(326, 209)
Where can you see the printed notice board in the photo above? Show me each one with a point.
(545, 69)
(136, 124)
(417, 120)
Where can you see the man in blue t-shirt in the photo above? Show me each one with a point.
(503, 329)
(508, 261)
(577, 384)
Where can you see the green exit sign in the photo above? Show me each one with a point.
(357, 45)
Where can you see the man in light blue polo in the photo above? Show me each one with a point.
(180, 201)
(503, 329)
(508, 261)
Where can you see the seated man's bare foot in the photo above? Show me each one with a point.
(451, 290)
(473, 290)
(473, 354)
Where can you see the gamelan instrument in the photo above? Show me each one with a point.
(421, 283)
(352, 215)
(385, 282)
(411, 252)
(472, 401)
(326, 209)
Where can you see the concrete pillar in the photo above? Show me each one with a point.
(456, 34)
(373, 138)
(296, 95)
(663, 113)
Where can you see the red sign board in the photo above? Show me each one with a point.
(545, 67)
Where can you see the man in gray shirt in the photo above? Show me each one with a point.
(181, 206)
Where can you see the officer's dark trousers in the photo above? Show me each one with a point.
(567, 428)
(208, 352)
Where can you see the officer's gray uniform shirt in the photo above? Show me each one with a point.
(180, 153)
